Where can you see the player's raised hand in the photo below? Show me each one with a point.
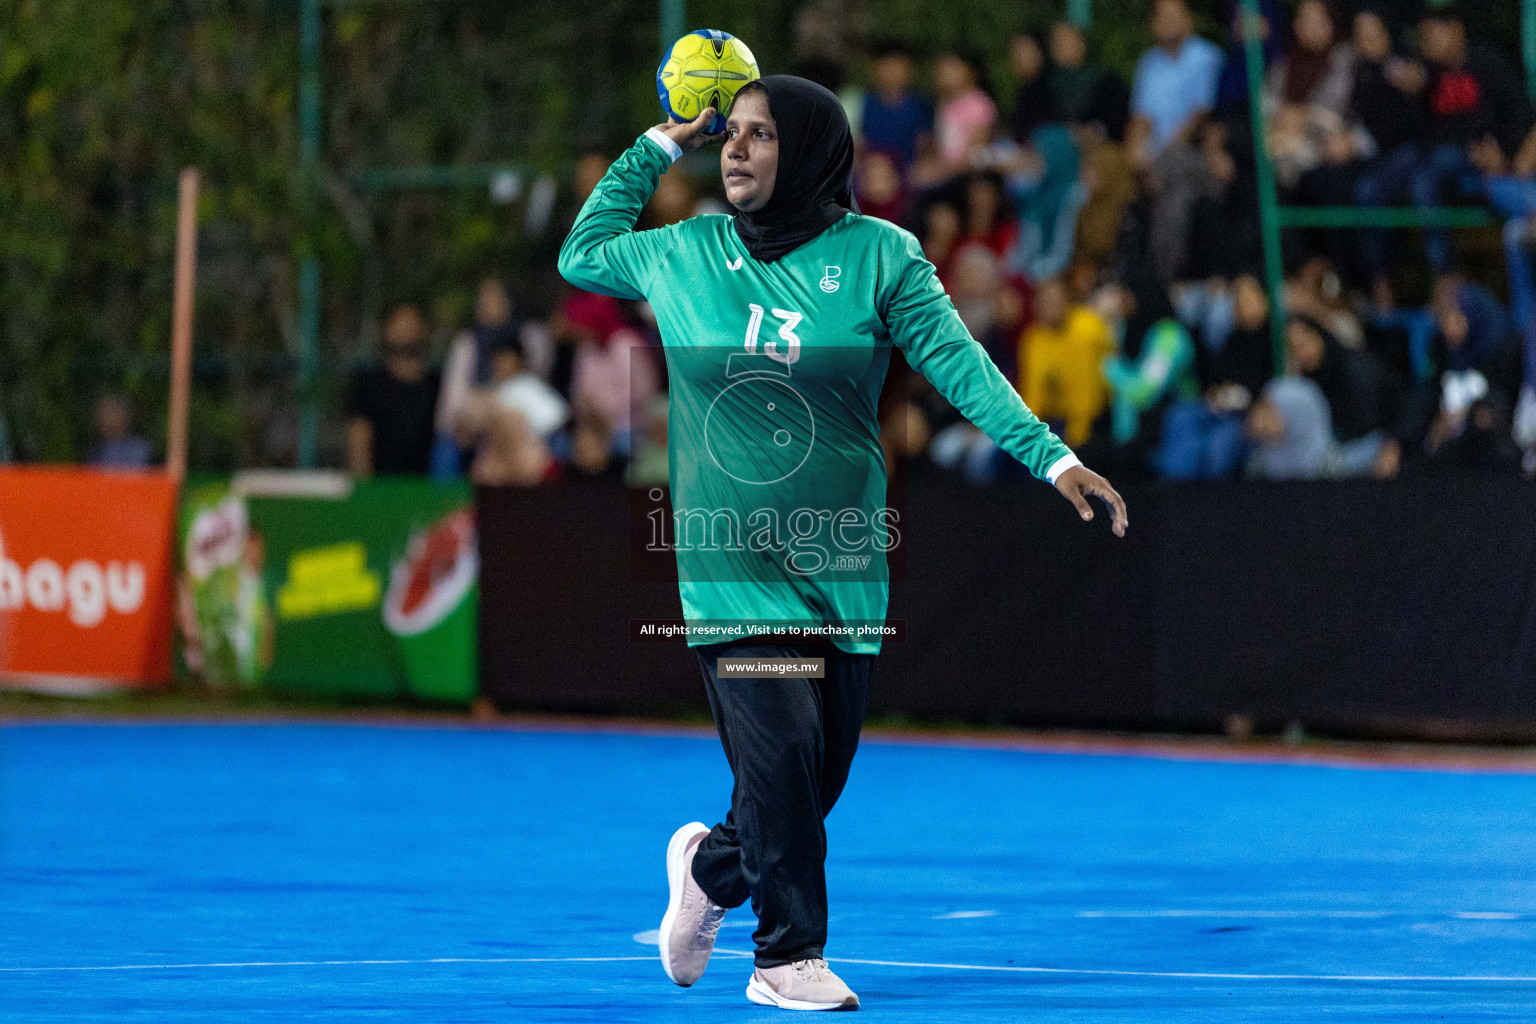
(691, 134)
(1079, 482)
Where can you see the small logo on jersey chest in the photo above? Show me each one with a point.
(829, 279)
(734, 264)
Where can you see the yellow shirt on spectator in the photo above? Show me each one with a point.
(1061, 376)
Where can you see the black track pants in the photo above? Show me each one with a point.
(790, 742)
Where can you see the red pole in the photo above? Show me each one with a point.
(181, 325)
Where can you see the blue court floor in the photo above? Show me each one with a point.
(246, 873)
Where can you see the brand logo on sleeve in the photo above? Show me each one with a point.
(829, 279)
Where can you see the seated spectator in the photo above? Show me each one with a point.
(1317, 291)
(1307, 98)
(1232, 81)
(1061, 358)
(612, 378)
(1290, 432)
(468, 367)
(509, 424)
(1110, 185)
(1478, 118)
(1083, 93)
(988, 220)
(1204, 440)
(1171, 96)
(391, 406)
(896, 119)
(1362, 398)
(879, 188)
(963, 120)
(1032, 105)
(1225, 218)
(118, 447)
(1514, 196)
(1385, 107)
(941, 237)
(1453, 414)
(1048, 203)
(1154, 367)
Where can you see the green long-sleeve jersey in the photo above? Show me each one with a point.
(774, 457)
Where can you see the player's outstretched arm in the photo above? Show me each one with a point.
(604, 253)
(1078, 482)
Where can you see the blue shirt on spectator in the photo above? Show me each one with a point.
(1170, 88)
(894, 128)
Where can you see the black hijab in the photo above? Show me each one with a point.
(814, 187)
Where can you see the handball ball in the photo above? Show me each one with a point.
(705, 68)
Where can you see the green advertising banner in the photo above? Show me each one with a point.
(317, 584)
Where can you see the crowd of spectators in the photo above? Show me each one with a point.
(1101, 239)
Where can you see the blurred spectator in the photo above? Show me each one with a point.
(1155, 364)
(963, 119)
(1307, 98)
(1384, 98)
(1172, 93)
(613, 379)
(673, 200)
(1363, 398)
(1224, 220)
(895, 118)
(1111, 189)
(1386, 126)
(1461, 414)
(1061, 357)
(1175, 81)
(391, 406)
(878, 185)
(1032, 105)
(941, 236)
(1083, 93)
(118, 447)
(1204, 440)
(1316, 290)
(1290, 431)
(468, 367)
(509, 423)
(1478, 117)
(1048, 203)
(1232, 82)
(988, 220)
(1514, 196)
(976, 280)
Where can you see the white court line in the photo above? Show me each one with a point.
(1236, 913)
(1184, 974)
(1464, 915)
(1007, 969)
(340, 963)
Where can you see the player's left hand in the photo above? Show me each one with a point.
(691, 134)
(1079, 482)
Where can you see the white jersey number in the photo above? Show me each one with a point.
(786, 331)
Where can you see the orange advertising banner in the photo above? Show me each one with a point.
(85, 577)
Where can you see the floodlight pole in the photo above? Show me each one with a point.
(309, 259)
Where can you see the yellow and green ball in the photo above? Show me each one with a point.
(705, 68)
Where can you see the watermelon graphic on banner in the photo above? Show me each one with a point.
(431, 607)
